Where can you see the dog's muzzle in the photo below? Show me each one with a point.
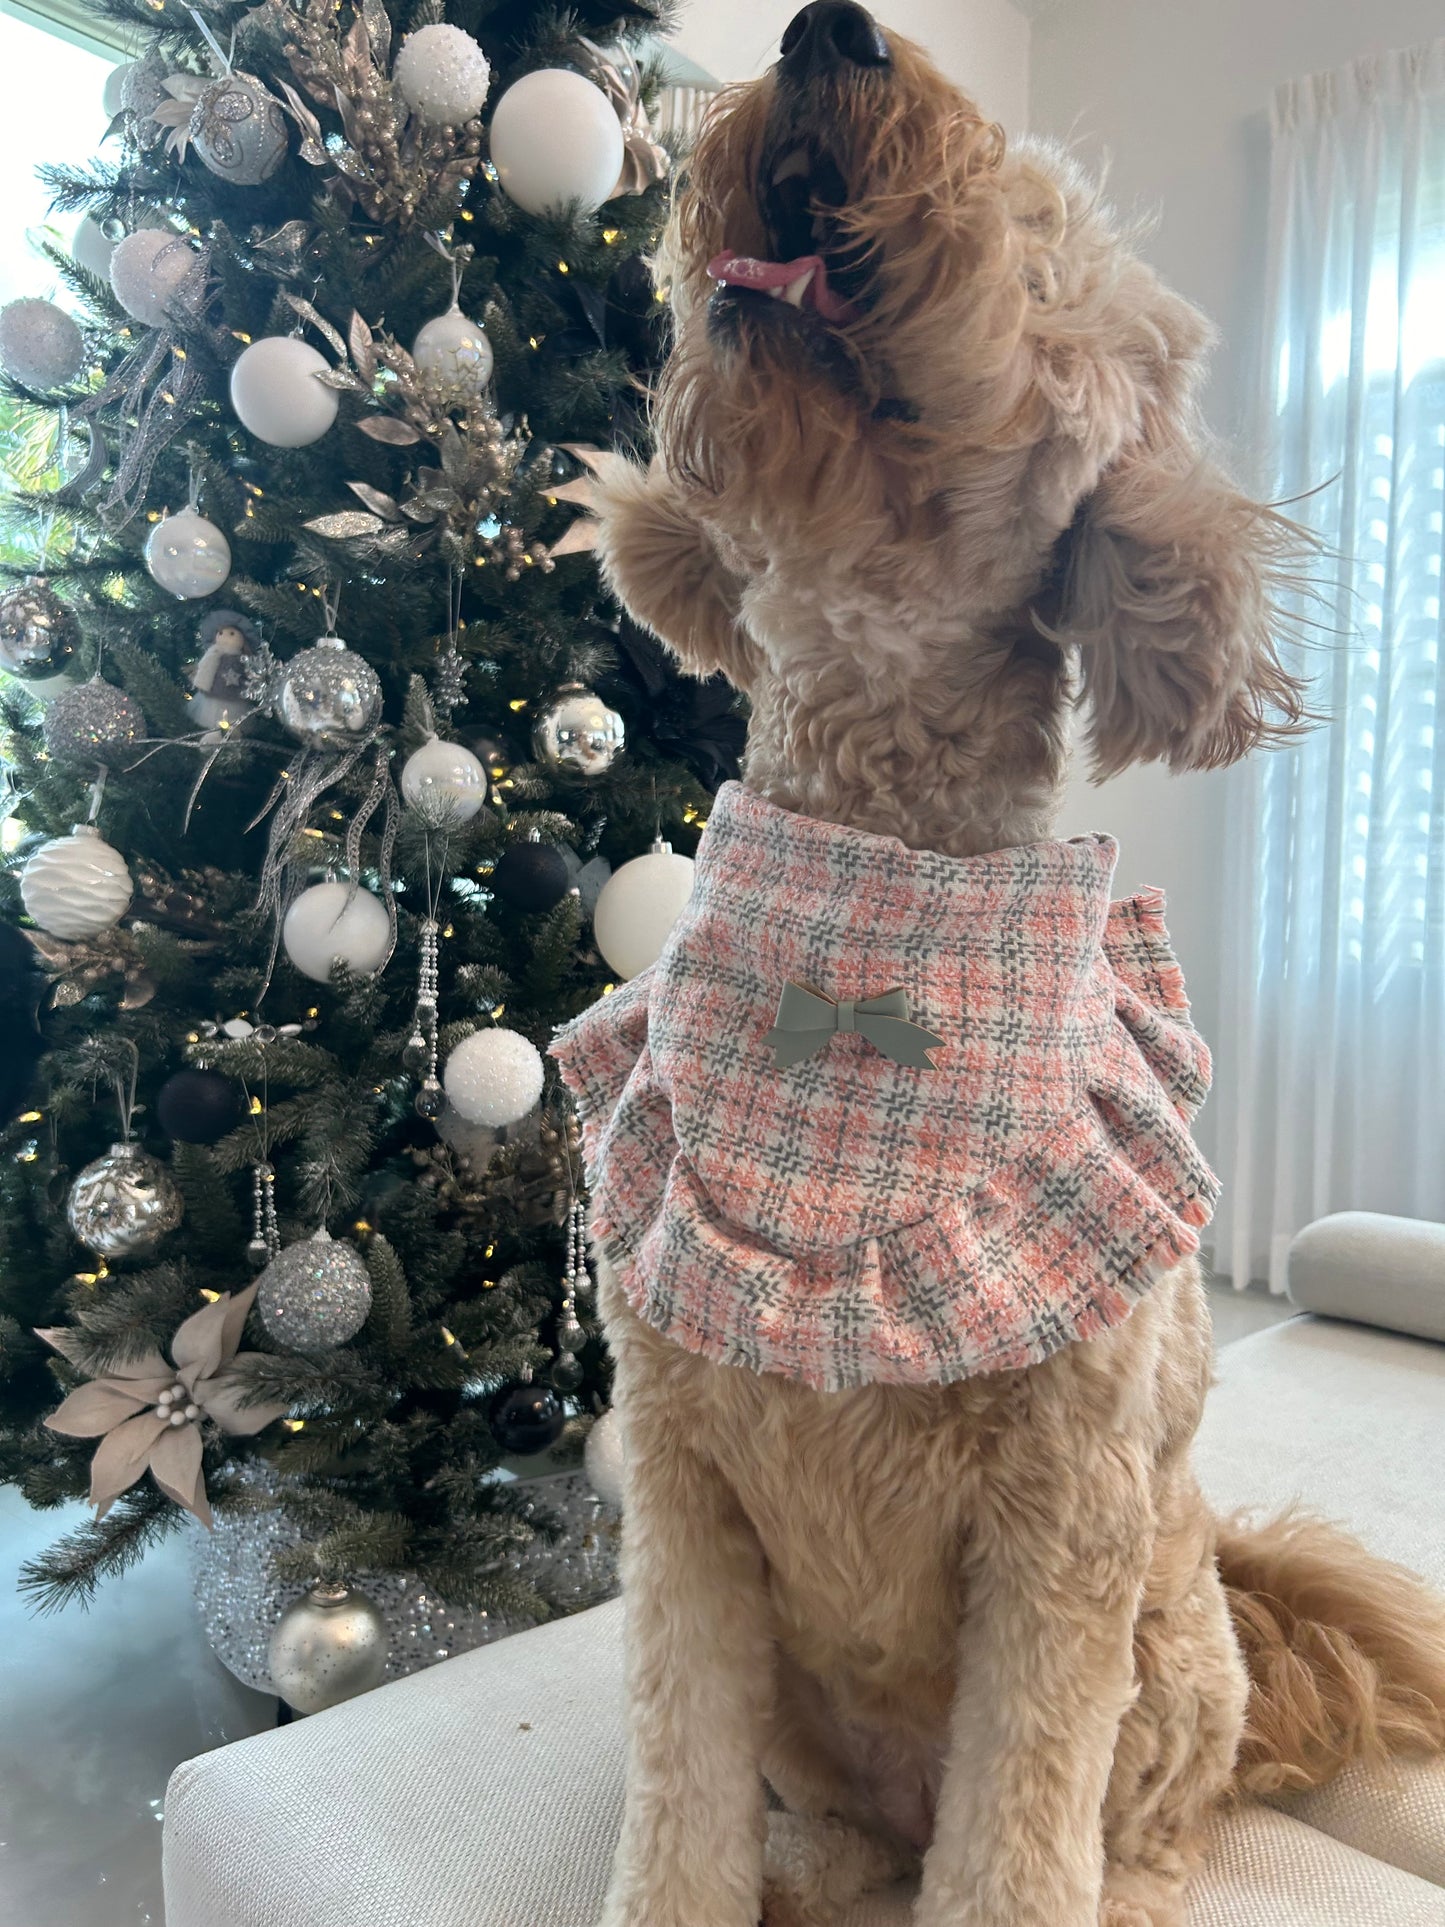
(830, 36)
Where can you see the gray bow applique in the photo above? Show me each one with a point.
(807, 1019)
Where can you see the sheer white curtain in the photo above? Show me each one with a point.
(1335, 947)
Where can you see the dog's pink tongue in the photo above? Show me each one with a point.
(803, 282)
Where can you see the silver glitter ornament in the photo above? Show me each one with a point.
(328, 696)
(315, 1295)
(38, 633)
(124, 1203)
(239, 131)
(93, 723)
(578, 731)
(328, 1647)
(240, 1600)
(40, 344)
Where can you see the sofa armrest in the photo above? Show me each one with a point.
(1372, 1269)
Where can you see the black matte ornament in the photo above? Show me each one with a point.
(527, 1419)
(531, 876)
(198, 1107)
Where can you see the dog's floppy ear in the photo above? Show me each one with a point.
(1170, 579)
(664, 567)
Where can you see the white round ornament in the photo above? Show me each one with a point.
(329, 697)
(604, 1459)
(91, 247)
(39, 343)
(556, 139)
(442, 75)
(76, 886)
(314, 1295)
(639, 904)
(112, 97)
(275, 393)
(334, 923)
(493, 1077)
(148, 270)
(444, 782)
(188, 555)
(238, 130)
(453, 358)
(328, 1647)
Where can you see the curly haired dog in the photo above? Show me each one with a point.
(910, 505)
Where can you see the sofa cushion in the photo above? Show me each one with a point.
(1380, 1270)
(486, 1792)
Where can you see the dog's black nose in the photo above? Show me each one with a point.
(829, 35)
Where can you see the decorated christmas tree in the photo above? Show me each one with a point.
(322, 738)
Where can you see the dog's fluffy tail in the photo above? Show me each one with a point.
(1346, 1653)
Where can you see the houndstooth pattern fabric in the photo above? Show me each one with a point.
(852, 1220)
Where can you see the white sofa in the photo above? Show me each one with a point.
(486, 1792)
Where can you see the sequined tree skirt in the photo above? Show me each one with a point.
(240, 1598)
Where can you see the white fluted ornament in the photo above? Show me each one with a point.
(187, 555)
(639, 904)
(334, 923)
(76, 886)
(444, 782)
(276, 394)
(493, 1077)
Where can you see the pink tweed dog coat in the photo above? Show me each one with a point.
(853, 1219)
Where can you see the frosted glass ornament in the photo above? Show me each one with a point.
(444, 782)
(40, 344)
(275, 393)
(454, 358)
(493, 1077)
(334, 923)
(149, 270)
(188, 555)
(76, 886)
(556, 139)
(91, 247)
(639, 904)
(442, 75)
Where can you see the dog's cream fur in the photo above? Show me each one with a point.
(987, 1621)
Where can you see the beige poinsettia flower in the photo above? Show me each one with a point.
(148, 1414)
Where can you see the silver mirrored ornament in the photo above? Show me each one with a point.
(578, 731)
(124, 1203)
(315, 1295)
(328, 1647)
(239, 131)
(38, 633)
(93, 723)
(328, 696)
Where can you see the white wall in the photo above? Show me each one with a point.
(981, 44)
(1177, 93)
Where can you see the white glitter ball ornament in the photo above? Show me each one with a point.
(334, 923)
(188, 555)
(329, 697)
(556, 139)
(604, 1458)
(328, 1647)
(124, 1203)
(453, 358)
(148, 271)
(315, 1295)
(40, 344)
(442, 75)
(444, 783)
(275, 393)
(76, 886)
(493, 1077)
(639, 904)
